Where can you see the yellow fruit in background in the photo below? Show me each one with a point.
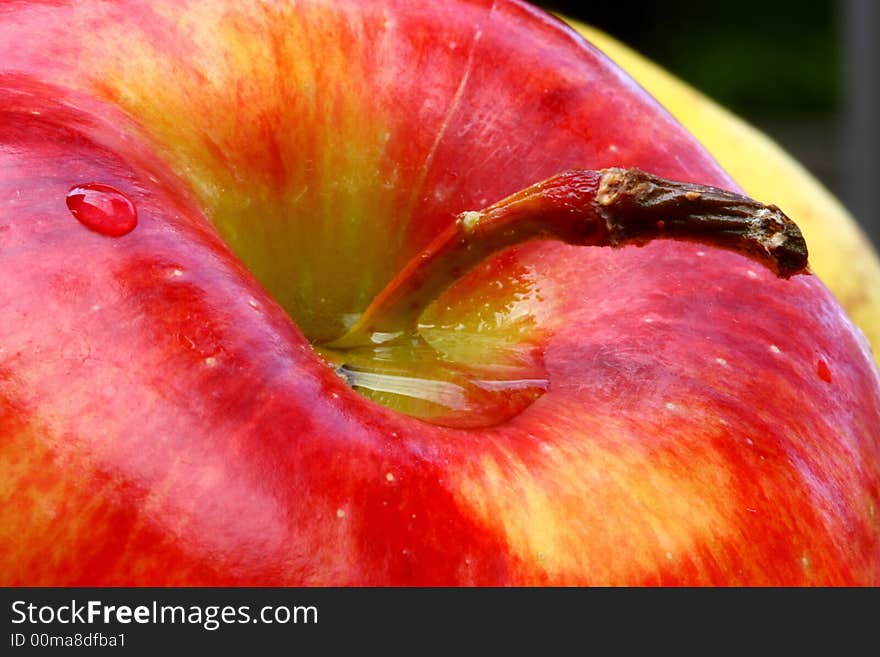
(840, 253)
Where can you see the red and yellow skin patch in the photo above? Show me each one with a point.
(670, 437)
(163, 420)
(329, 143)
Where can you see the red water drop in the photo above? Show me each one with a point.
(103, 209)
(823, 371)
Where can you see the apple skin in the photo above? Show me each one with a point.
(165, 421)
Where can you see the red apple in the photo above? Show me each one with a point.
(560, 414)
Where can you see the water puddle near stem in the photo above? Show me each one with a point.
(409, 376)
(103, 209)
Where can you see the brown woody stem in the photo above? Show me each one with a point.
(611, 207)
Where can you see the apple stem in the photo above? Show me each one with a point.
(610, 207)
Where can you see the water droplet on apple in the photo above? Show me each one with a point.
(447, 397)
(103, 209)
(439, 379)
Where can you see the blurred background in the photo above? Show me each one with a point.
(806, 73)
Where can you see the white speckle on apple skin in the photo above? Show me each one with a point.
(647, 320)
(340, 513)
(751, 274)
(670, 406)
(389, 476)
(96, 308)
(669, 556)
(721, 362)
(210, 361)
(775, 349)
(700, 254)
(175, 273)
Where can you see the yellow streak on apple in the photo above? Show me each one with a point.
(295, 179)
(640, 509)
(35, 505)
(490, 317)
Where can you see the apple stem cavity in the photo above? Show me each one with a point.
(610, 207)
